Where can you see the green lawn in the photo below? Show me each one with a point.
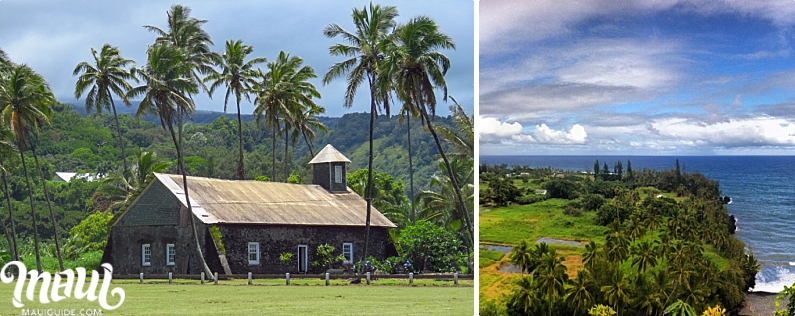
(304, 297)
(512, 224)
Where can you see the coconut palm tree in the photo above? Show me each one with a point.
(521, 255)
(364, 49)
(580, 295)
(116, 189)
(307, 123)
(106, 77)
(551, 277)
(49, 204)
(7, 149)
(283, 93)
(440, 203)
(166, 82)
(525, 298)
(590, 254)
(645, 255)
(26, 102)
(617, 291)
(237, 75)
(418, 69)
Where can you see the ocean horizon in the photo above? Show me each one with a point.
(762, 192)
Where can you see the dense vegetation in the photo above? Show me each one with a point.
(120, 152)
(656, 242)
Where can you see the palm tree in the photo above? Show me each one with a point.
(440, 199)
(49, 204)
(680, 308)
(7, 148)
(551, 277)
(418, 69)
(238, 77)
(521, 255)
(645, 254)
(525, 297)
(580, 294)
(408, 112)
(166, 81)
(364, 50)
(308, 122)
(283, 94)
(107, 76)
(26, 102)
(617, 291)
(116, 189)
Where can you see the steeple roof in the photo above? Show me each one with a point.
(329, 154)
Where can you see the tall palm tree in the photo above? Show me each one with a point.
(525, 298)
(408, 112)
(580, 293)
(237, 75)
(617, 291)
(49, 204)
(107, 76)
(418, 69)
(284, 93)
(551, 277)
(364, 49)
(521, 255)
(440, 199)
(7, 148)
(645, 254)
(26, 102)
(165, 85)
(116, 189)
(308, 122)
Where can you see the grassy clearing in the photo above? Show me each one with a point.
(512, 224)
(187, 297)
(488, 257)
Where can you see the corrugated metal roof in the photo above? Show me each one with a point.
(258, 202)
(329, 154)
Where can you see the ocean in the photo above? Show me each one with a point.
(762, 189)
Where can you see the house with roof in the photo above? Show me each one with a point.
(244, 226)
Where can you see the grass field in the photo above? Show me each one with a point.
(270, 297)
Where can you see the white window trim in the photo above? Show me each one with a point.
(170, 247)
(338, 174)
(248, 253)
(343, 250)
(144, 248)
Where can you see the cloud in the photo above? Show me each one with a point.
(737, 132)
(492, 130)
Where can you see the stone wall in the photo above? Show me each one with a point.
(277, 239)
(126, 255)
(156, 206)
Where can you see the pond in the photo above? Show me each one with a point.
(506, 267)
(558, 241)
(503, 249)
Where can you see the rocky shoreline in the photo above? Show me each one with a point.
(760, 303)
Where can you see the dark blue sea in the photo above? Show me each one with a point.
(762, 189)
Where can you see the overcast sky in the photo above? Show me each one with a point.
(53, 36)
(637, 77)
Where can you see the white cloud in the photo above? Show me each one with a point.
(737, 132)
(492, 130)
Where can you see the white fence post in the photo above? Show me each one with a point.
(202, 277)
(327, 275)
(455, 278)
(287, 277)
(215, 278)
(411, 278)
(368, 277)
(142, 277)
(169, 278)
(249, 278)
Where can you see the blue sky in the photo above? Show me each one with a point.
(53, 36)
(637, 77)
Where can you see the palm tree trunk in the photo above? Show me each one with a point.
(273, 154)
(240, 169)
(411, 172)
(368, 192)
(13, 241)
(121, 140)
(181, 167)
(285, 163)
(462, 208)
(49, 206)
(308, 144)
(32, 212)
